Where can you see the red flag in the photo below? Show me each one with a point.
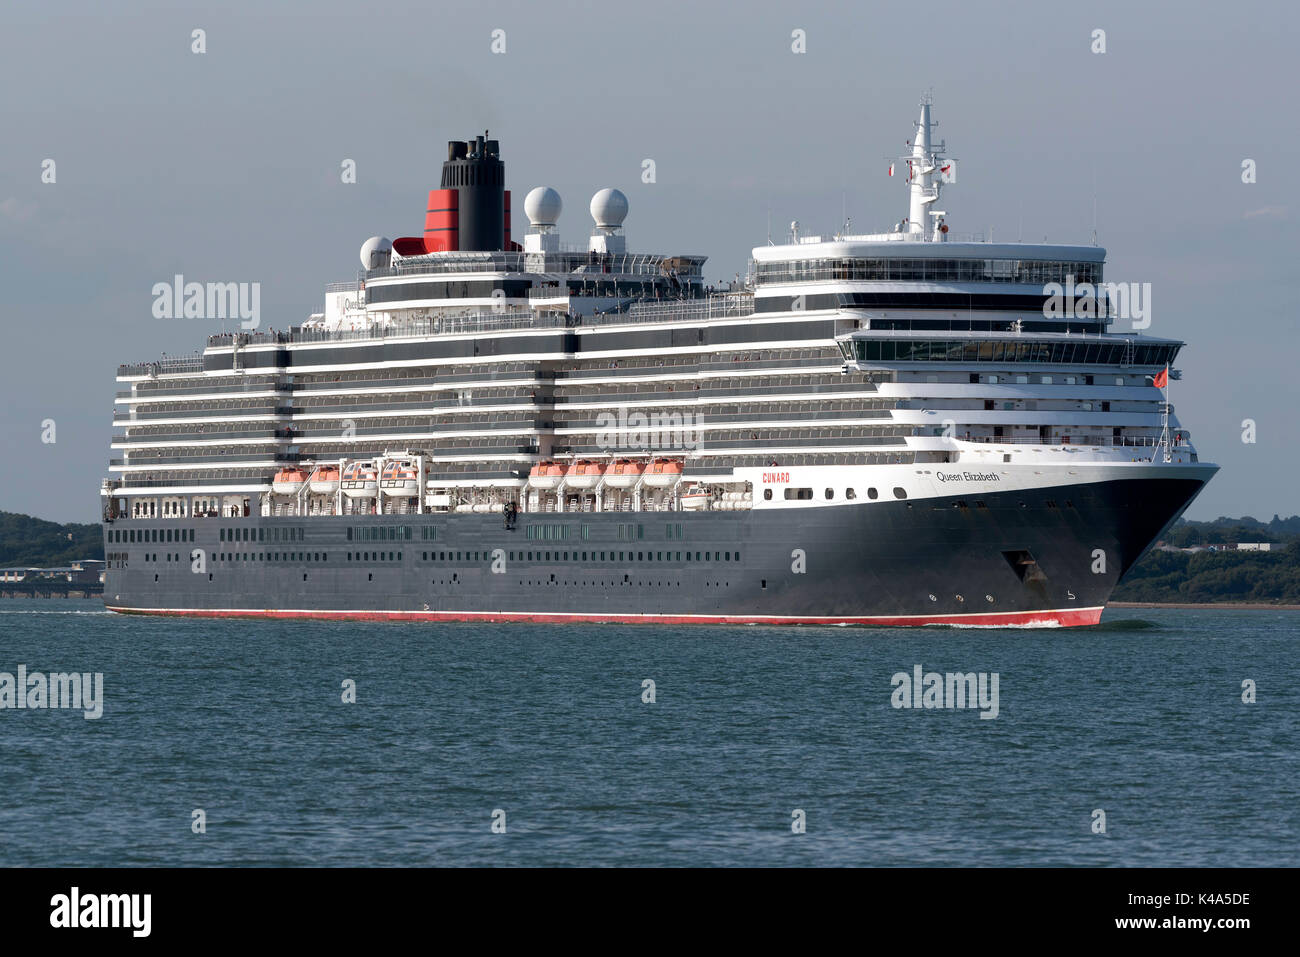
(1161, 379)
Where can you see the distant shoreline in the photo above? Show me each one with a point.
(1223, 605)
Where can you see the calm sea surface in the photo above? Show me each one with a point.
(1141, 717)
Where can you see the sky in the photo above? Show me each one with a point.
(226, 165)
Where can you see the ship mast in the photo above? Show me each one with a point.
(925, 177)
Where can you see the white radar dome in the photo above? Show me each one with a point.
(609, 208)
(375, 246)
(542, 206)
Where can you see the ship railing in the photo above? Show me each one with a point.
(478, 322)
(568, 259)
(1082, 439)
(498, 261)
(721, 306)
(677, 310)
(168, 365)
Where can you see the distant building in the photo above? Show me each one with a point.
(1254, 546)
(78, 573)
(86, 570)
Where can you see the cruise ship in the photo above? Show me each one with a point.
(908, 427)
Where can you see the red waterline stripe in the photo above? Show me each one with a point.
(1060, 616)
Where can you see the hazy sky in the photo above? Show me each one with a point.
(225, 166)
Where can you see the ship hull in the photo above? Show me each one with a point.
(1047, 556)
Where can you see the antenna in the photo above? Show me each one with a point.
(926, 172)
(769, 225)
(1094, 202)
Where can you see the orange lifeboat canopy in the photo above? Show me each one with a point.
(623, 473)
(585, 473)
(662, 473)
(546, 474)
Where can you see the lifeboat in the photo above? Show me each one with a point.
(623, 473)
(585, 474)
(360, 480)
(663, 473)
(325, 480)
(546, 474)
(696, 497)
(288, 481)
(400, 478)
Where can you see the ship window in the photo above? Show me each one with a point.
(993, 380)
(899, 493)
(728, 556)
(1047, 380)
(798, 493)
(872, 493)
(850, 493)
(767, 494)
(1022, 379)
(830, 493)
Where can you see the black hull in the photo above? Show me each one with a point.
(1047, 555)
